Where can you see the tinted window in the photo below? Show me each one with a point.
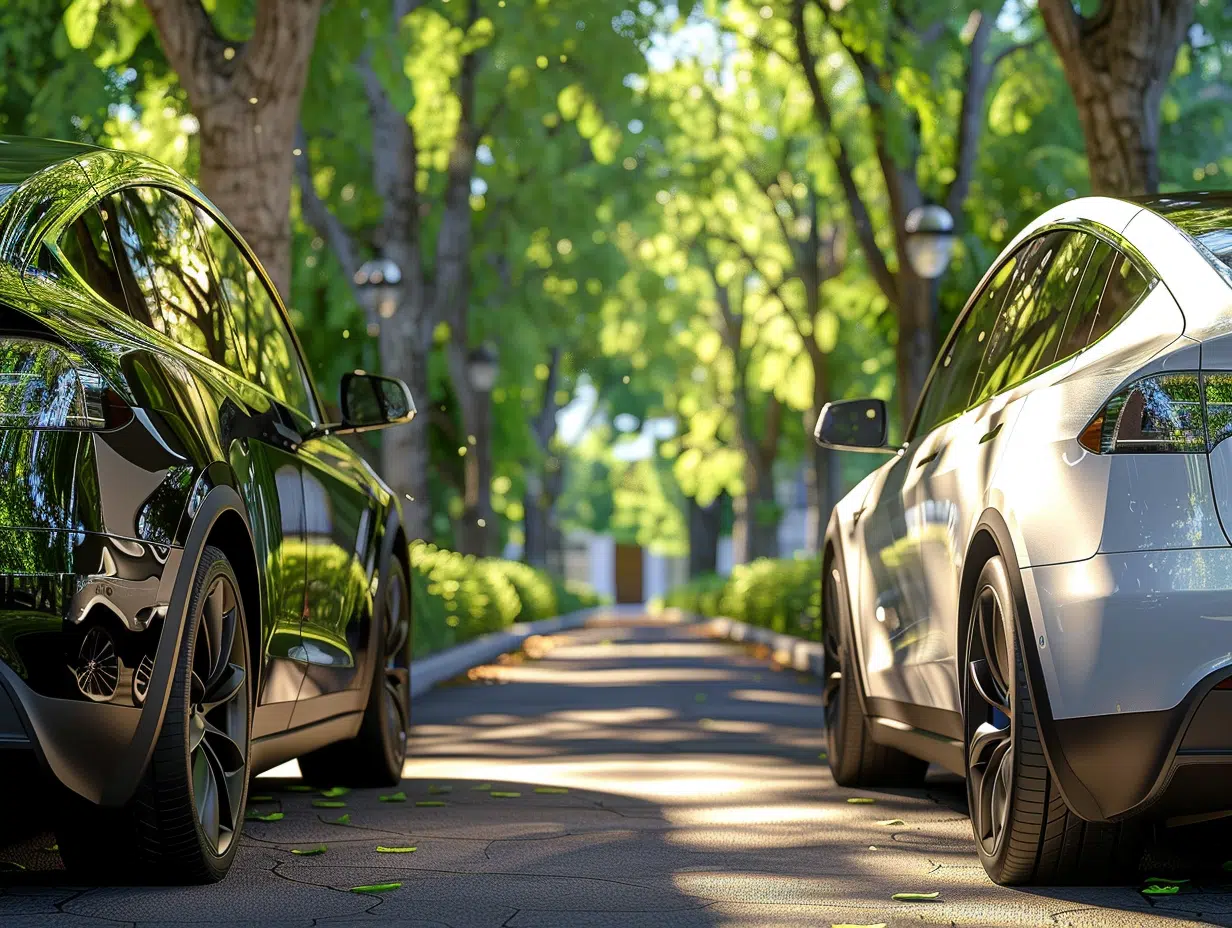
(172, 270)
(87, 250)
(1035, 261)
(1086, 300)
(1043, 312)
(269, 354)
(955, 373)
(1126, 286)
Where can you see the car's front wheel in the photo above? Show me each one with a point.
(1024, 832)
(183, 823)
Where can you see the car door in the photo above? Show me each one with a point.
(267, 421)
(954, 489)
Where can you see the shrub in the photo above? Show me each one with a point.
(782, 595)
(458, 597)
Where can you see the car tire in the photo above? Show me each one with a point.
(374, 757)
(1024, 832)
(855, 759)
(183, 823)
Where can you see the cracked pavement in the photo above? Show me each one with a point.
(663, 780)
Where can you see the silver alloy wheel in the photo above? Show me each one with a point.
(832, 662)
(989, 721)
(218, 716)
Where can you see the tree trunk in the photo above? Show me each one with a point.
(915, 350)
(404, 451)
(703, 537)
(1117, 64)
(246, 98)
(756, 530)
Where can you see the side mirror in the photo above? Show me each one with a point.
(373, 402)
(853, 425)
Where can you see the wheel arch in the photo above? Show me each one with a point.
(991, 538)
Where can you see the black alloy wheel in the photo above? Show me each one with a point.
(218, 716)
(990, 720)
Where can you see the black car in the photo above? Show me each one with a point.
(198, 579)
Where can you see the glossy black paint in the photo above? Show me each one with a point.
(102, 527)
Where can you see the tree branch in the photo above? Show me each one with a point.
(842, 161)
(192, 46)
(971, 115)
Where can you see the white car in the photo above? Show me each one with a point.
(1035, 590)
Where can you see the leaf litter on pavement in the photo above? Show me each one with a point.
(916, 897)
(376, 888)
(308, 851)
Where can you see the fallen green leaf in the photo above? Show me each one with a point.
(265, 816)
(699, 697)
(328, 804)
(891, 822)
(393, 797)
(382, 849)
(54, 847)
(439, 790)
(376, 888)
(1156, 890)
(822, 756)
(915, 897)
(499, 794)
(262, 799)
(300, 788)
(308, 851)
(878, 925)
(483, 787)
(551, 790)
(1165, 880)
(429, 803)
(861, 800)
(335, 791)
(343, 819)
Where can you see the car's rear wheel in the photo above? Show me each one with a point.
(374, 757)
(855, 759)
(1024, 832)
(183, 823)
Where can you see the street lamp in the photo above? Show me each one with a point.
(930, 240)
(482, 368)
(378, 281)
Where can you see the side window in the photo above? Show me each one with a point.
(269, 354)
(1042, 318)
(1037, 258)
(1112, 286)
(1086, 300)
(956, 369)
(1125, 288)
(87, 249)
(172, 269)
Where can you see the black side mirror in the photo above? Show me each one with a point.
(853, 425)
(373, 402)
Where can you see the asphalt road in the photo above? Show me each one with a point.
(652, 779)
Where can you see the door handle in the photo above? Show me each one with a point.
(928, 459)
(991, 433)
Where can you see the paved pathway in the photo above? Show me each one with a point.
(655, 779)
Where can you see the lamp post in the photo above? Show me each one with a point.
(930, 245)
(379, 283)
(482, 369)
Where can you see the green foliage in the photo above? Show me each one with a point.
(782, 595)
(455, 598)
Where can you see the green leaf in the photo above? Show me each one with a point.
(382, 849)
(915, 897)
(308, 851)
(1165, 880)
(80, 21)
(262, 799)
(55, 848)
(439, 790)
(393, 797)
(300, 788)
(1156, 890)
(429, 803)
(504, 794)
(344, 819)
(254, 815)
(551, 790)
(376, 888)
(699, 697)
(328, 804)
(335, 791)
(891, 822)
(482, 787)
(860, 800)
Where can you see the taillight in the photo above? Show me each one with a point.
(46, 386)
(1184, 411)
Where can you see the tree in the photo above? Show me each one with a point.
(245, 95)
(1118, 62)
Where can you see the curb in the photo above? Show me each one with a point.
(435, 669)
(789, 650)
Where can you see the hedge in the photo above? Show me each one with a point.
(781, 595)
(457, 597)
